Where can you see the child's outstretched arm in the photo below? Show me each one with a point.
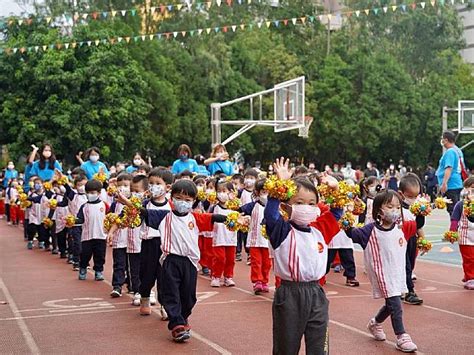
(247, 208)
(456, 217)
(361, 235)
(410, 228)
(277, 228)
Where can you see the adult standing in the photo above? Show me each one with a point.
(93, 165)
(370, 171)
(184, 161)
(10, 173)
(349, 173)
(137, 161)
(219, 161)
(45, 165)
(392, 177)
(449, 170)
(430, 181)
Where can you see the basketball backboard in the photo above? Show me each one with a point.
(465, 116)
(289, 104)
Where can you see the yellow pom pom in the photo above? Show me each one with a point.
(359, 207)
(451, 236)
(110, 220)
(112, 190)
(282, 190)
(63, 180)
(212, 198)
(440, 203)
(100, 176)
(468, 208)
(424, 245)
(70, 220)
(340, 197)
(233, 204)
(201, 195)
(232, 223)
(48, 186)
(421, 207)
(53, 203)
(47, 222)
(347, 221)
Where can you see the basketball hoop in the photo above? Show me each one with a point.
(304, 131)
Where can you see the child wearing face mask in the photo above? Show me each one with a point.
(118, 238)
(34, 211)
(58, 216)
(75, 199)
(257, 242)
(160, 181)
(384, 242)
(179, 231)
(11, 196)
(205, 239)
(92, 166)
(39, 210)
(246, 196)
(464, 225)
(224, 240)
(300, 250)
(410, 188)
(369, 187)
(91, 218)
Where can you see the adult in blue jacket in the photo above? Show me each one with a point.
(45, 165)
(92, 165)
(184, 162)
(10, 174)
(219, 161)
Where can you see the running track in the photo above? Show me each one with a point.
(45, 309)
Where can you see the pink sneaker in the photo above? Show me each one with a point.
(257, 288)
(469, 285)
(405, 344)
(265, 288)
(376, 330)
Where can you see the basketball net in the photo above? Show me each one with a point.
(304, 131)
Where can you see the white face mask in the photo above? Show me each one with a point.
(223, 196)
(92, 197)
(249, 182)
(157, 190)
(209, 191)
(139, 195)
(410, 201)
(124, 190)
(11, 166)
(62, 189)
(263, 198)
(137, 162)
(372, 191)
(81, 189)
(182, 207)
(303, 215)
(391, 216)
(94, 158)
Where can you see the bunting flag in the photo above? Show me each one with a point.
(263, 23)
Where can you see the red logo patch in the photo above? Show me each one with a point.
(400, 241)
(102, 209)
(320, 247)
(191, 225)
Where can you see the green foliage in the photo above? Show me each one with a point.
(376, 96)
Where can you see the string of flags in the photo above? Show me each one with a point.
(264, 23)
(103, 15)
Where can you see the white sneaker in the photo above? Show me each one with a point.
(136, 299)
(164, 315)
(376, 330)
(215, 282)
(228, 282)
(413, 276)
(152, 298)
(405, 344)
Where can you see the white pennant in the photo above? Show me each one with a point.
(175, 34)
(143, 38)
(119, 39)
(152, 9)
(44, 48)
(259, 24)
(123, 12)
(357, 13)
(15, 50)
(36, 48)
(151, 37)
(218, 2)
(89, 43)
(208, 30)
(20, 22)
(423, 4)
(294, 21)
(66, 45)
(385, 8)
(179, 6)
(199, 31)
(394, 7)
(268, 23)
(432, 3)
(97, 42)
(234, 27)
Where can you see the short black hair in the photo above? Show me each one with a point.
(469, 182)
(199, 159)
(186, 187)
(301, 169)
(199, 180)
(144, 167)
(124, 177)
(164, 174)
(251, 172)
(239, 177)
(305, 183)
(410, 180)
(78, 170)
(449, 136)
(260, 185)
(381, 199)
(141, 179)
(79, 178)
(93, 185)
(223, 182)
(186, 173)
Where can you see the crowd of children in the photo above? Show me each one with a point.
(183, 227)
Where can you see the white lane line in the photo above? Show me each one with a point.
(227, 302)
(67, 314)
(196, 335)
(75, 310)
(48, 308)
(447, 312)
(30, 341)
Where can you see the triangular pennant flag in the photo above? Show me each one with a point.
(234, 27)
(276, 23)
(22, 50)
(44, 48)
(95, 15)
(385, 8)
(133, 12)
(76, 16)
(105, 14)
(191, 33)
(268, 23)
(51, 46)
(170, 7)
(242, 26)
(97, 42)
(321, 17)
(183, 33)
(229, 2)
(293, 20)
(376, 11)
(167, 34)
(432, 2)
(29, 21)
(179, 6)
(175, 34)
(127, 39)
(89, 43)
(259, 24)
(136, 38)
(199, 31)
(249, 1)
(285, 22)
(48, 19)
(311, 18)
(152, 9)
(123, 12)
(36, 48)
(159, 35)
(59, 45)
(208, 30)
(162, 8)
(20, 22)
(119, 39)
(413, 6)
(251, 25)
(224, 29)
(303, 20)
(404, 7)
(218, 2)
(423, 4)
(29, 49)
(217, 29)
(394, 8)
(143, 38)
(84, 16)
(113, 13)
(209, 4)
(151, 37)
(357, 13)
(66, 45)
(73, 44)
(15, 50)
(367, 12)
(112, 41)
(349, 14)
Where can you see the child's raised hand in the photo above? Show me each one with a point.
(331, 181)
(281, 168)
(123, 200)
(243, 220)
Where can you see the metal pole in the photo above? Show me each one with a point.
(216, 123)
(444, 122)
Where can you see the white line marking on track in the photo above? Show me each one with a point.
(448, 312)
(227, 302)
(67, 314)
(75, 310)
(30, 341)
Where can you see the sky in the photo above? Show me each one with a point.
(8, 7)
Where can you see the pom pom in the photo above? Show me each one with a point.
(48, 186)
(110, 220)
(70, 220)
(201, 195)
(53, 203)
(263, 231)
(23, 198)
(63, 180)
(468, 208)
(282, 190)
(47, 223)
(212, 198)
(233, 204)
(359, 207)
(441, 203)
(421, 207)
(112, 191)
(340, 197)
(232, 223)
(100, 176)
(131, 214)
(346, 221)
(20, 190)
(424, 245)
(451, 236)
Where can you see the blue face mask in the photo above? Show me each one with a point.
(38, 187)
(182, 207)
(183, 157)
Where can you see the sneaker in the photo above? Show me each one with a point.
(145, 309)
(9, 223)
(376, 330)
(265, 288)
(405, 344)
(62, 256)
(248, 259)
(257, 288)
(469, 285)
(41, 245)
(238, 257)
(205, 271)
(116, 292)
(413, 276)
(338, 268)
(54, 251)
(99, 276)
(412, 298)
(82, 274)
(152, 298)
(228, 282)
(352, 282)
(30, 245)
(75, 267)
(180, 334)
(215, 282)
(136, 299)
(69, 259)
(164, 315)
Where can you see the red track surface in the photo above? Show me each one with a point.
(50, 311)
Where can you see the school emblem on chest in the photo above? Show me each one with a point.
(102, 209)
(400, 241)
(320, 247)
(191, 225)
